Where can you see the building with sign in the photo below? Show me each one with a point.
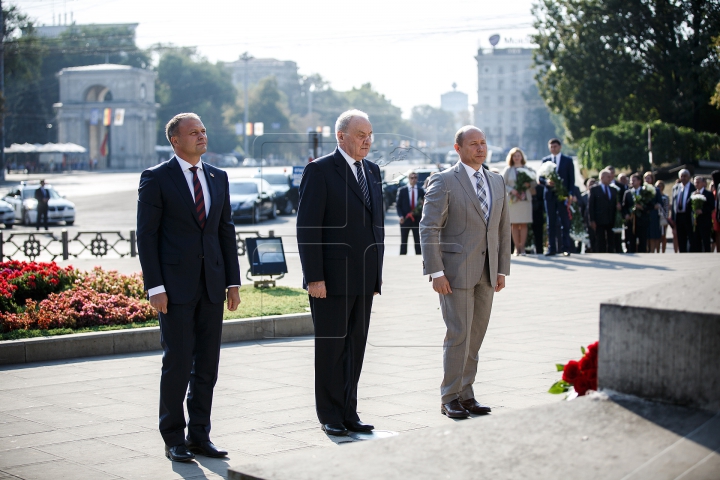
(110, 110)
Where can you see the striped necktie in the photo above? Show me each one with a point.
(199, 198)
(363, 184)
(481, 195)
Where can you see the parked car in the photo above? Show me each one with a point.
(251, 199)
(391, 187)
(7, 214)
(228, 161)
(286, 195)
(24, 204)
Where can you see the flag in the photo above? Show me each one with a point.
(119, 117)
(107, 117)
(104, 145)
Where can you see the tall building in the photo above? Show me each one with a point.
(508, 102)
(455, 102)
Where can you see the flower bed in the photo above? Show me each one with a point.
(45, 296)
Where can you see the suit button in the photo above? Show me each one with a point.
(375, 249)
(201, 256)
(483, 253)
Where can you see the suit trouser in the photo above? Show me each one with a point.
(538, 228)
(684, 229)
(405, 229)
(700, 241)
(190, 334)
(466, 313)
(341, 329)
(42, 213)
(557, 211)
(605, 239)
(637, 235)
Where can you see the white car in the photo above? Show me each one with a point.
(7, 214)
(24, 204)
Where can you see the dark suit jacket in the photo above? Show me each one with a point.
(708, 207)
(676, 198)
(172, 246)
(566, 171)
(629, 202)
(402, 202)
(340, 240)
(42, 199)
(601, 209)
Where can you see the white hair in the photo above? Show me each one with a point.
(342, 122)
(683, 171)
(605, 170)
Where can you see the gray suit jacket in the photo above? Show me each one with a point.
(453, 233)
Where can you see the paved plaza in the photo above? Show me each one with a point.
(96, 418)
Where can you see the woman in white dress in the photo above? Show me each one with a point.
(520, 197)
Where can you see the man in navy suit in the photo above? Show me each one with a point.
(703, 222)
(602, 208)
(409, 209)
(557, 210)
(188, 254)
(340, 232)
(682, 209)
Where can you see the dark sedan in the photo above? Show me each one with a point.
(286, 196)
(251, 199)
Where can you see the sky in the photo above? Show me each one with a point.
(410, 51)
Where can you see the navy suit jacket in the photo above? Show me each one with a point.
(172, 246)
(601, 208)
(402, 202)
(341, 239)
(676, 199)
(566, 171)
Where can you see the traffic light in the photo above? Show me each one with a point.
(313, 143)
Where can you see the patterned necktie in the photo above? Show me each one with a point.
(199, 198)
(481, 195)
(363, 183)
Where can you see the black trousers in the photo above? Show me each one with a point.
(341, 330)
(700, 241)
(684, 229)
(605, 239)
(557, 216)
(42, 213)
(190, 335)
(405, 229)
(538, 228)
(637, 239)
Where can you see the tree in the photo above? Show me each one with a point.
(600, 62)
(189, 83)
(433, 125)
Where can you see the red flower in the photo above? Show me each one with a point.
(584, 383)
(588, 362)
(571, 372)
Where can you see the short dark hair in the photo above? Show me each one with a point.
(636, 175)
(171, 129)
(554, 140)
(463, 130)
(610, 167)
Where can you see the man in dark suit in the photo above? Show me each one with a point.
(682, 210)
(188, 254)
(42, 195)
(341, 234)
(602, 208)
(637, 217)
(703, 221)
(409, 209)
(538, 216)
(557, 210)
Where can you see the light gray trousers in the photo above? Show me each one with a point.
(466, 313)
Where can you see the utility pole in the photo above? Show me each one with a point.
(245, 57)
(2, 93)
(652, 167)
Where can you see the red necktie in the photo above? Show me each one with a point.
(412, 198)
(199, 199)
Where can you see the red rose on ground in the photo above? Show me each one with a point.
(571, 371)
(588, 363)
(583, 383)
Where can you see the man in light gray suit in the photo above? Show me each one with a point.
(465, 239)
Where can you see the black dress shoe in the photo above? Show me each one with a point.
(358, 426)
(206, 449)
(454, 410)
(566, 254)
(335, 429)
(474, 407)
(550, 254)
(179, 453)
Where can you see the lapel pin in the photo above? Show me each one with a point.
(212, 175)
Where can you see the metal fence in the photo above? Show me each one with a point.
(107, 243)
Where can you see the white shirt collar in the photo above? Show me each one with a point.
(351, 161)
(471, 171)
(184, 165)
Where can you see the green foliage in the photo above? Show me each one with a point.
(189, 83)
(625, 146)
(560, 367)
(432, 124)
(602, 62)
(559, 387)
(385, 117)
(257, 302)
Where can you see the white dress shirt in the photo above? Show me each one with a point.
(185, 167)
(351, 163)
(684, 190)
(486, 187)
(412, 191)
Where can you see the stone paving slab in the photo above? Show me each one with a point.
(264, 405)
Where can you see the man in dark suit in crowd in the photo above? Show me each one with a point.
(620, 183)
(602, 208)
(409, 209)
(188, 254)
(557, 210)
(42, 195)
(583, 200)
(682, 210)
(538, 212)
(702, 233)
(637, 217)
(341, 233)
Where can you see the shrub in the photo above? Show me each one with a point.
(112, 282)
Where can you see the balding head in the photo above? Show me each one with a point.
(460, 133)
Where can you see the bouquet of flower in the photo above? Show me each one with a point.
(642, 198)
(523, 180)
(577, 225)
(697, 201)
(582, 375)
(549, 171)
(417, 211)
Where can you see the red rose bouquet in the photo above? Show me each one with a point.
(581, 375)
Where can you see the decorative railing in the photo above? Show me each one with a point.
(31, 245)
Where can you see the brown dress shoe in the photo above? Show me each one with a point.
(474, 407)
(454, 410)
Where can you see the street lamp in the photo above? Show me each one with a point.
(246, 57)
